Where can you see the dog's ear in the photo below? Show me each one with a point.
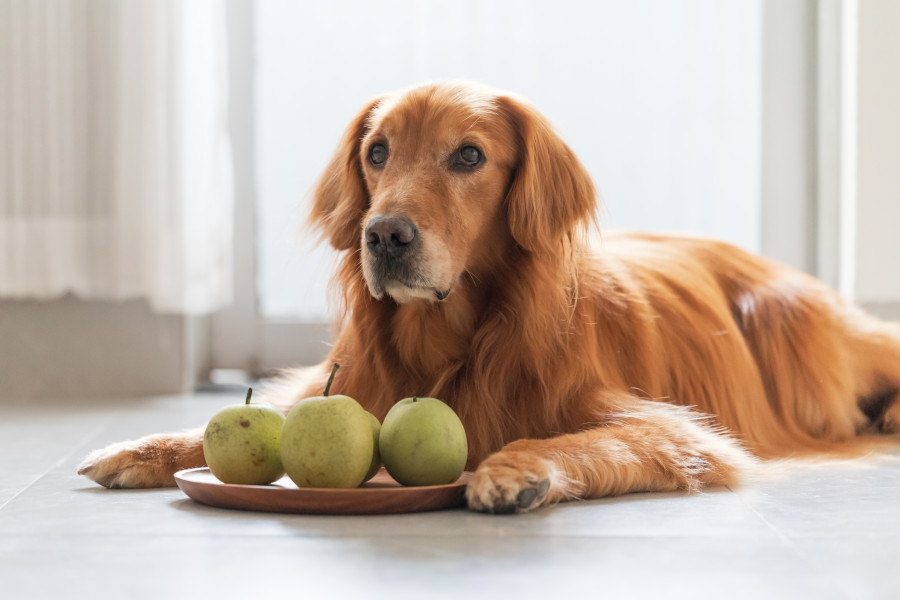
(340, 197)
(551, 193)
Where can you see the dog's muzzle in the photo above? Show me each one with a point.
(394, 258)
(394, 249)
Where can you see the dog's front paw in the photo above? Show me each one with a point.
(144, 463)
(122, 465)
(510, 482)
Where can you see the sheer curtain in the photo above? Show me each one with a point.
(115, 164)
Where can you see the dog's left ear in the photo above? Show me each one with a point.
(340, 198)
(551, 193)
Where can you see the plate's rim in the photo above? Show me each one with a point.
(184, 475)
(375, 500)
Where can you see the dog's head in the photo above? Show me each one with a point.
(444, 179)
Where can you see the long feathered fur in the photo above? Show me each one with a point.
(692, 321)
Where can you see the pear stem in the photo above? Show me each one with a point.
(415, 398)
(249, 393)
(331, 378)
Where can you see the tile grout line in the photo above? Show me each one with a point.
(781, 536)
(778, 533)
(78, 445)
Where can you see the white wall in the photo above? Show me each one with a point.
(878, 162)
(789, 133)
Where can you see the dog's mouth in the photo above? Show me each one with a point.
(403, 292)
(402, 282)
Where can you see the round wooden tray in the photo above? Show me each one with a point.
(379, 495)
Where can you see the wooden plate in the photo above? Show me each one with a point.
(379, 495)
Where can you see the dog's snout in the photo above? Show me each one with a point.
(389, 235)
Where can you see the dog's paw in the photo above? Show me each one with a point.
(125, 465)
(144, 463)
(889, 422)
(502, 484)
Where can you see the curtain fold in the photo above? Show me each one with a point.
(115, 160)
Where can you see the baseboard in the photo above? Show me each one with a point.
(70, 348)
(884, 310)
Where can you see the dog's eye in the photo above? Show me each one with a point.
(378, 154)
(467, 157)
(470, 155)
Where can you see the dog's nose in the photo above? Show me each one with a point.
(389, 235)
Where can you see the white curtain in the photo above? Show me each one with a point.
(115, 172)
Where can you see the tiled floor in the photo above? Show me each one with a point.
(814, 531)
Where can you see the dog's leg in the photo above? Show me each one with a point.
(890, 419)
(150, 461)
(875, 346)
(650, 448)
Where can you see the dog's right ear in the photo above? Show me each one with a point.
(340, 198)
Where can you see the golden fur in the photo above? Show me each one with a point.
(647, 363)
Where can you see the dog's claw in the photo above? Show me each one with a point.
(533, 496)
(526, 497)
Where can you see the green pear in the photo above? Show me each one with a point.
(241, 443)
(376, 454)
(423, 442)
(326, 441)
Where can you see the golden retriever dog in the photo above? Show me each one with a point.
(650, 362)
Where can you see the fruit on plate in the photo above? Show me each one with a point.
(326, 441)
(423, 442)
(376, 453)
(241, 443)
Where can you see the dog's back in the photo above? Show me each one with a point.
(775, 354)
